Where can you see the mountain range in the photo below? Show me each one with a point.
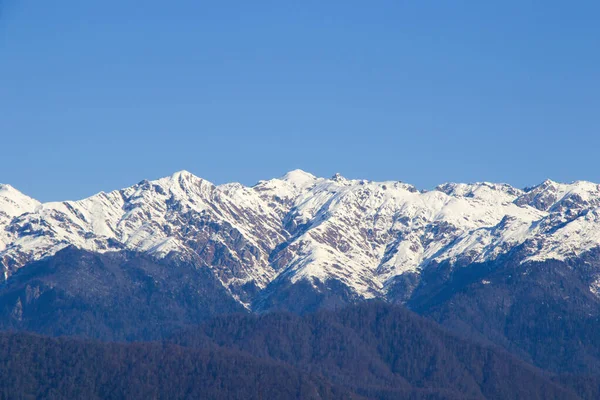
(515, 269)
(299, 229)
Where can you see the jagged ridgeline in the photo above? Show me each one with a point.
(374, 239)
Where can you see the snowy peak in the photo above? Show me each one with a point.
(14, 203)
(299, 178)
(281, 192)
(337, 177)
(183, 174)
(551, 194)
(182, 183)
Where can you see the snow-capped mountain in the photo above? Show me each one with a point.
(300, 228)
(12, 204)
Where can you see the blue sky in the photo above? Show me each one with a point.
(97, 95)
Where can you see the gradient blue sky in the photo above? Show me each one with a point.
(97, 95)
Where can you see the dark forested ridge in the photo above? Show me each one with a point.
(518, 331)
(34, 367)
(371, 351)
(542, 312)
(381, 351)
(113, 296)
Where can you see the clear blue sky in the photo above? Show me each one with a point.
(97, 95)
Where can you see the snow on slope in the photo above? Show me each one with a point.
(12, 203)
(181, 213)
(299, 226)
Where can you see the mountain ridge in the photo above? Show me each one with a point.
(300, 227)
